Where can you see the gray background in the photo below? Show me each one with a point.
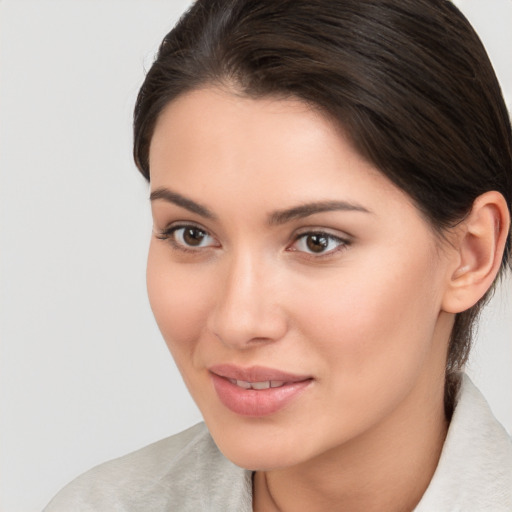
(84, 374)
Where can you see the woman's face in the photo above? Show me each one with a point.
(285, 263)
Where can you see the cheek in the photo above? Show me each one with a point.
(372, 318)
(370, 333)
(178, 298)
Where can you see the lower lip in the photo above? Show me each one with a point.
(260, 402)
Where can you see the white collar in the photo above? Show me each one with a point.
(475, 469)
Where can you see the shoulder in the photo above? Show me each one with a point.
(183, 472)
(475, 468)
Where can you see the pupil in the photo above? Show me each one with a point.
(193, 236)
(317, 243)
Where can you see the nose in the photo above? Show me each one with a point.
(247, 310)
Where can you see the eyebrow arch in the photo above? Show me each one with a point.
(182, 201)
(299, 212)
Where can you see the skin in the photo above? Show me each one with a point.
(364, 319)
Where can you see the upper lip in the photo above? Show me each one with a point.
(255, 373)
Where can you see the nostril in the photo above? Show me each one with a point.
(243, 331)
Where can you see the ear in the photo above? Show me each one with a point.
(479, 244)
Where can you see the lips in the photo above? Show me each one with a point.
(256, 391)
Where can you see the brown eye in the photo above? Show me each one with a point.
(318, 243)
(193, 236)
(189, 237)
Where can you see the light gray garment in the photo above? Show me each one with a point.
(187, 473)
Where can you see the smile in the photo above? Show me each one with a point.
(256, 391)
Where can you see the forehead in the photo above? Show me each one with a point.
(208, 117)
(212, 144)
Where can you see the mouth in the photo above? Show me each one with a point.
(256, 391)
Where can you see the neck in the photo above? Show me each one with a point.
(386, 469)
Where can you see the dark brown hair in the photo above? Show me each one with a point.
(408, 80)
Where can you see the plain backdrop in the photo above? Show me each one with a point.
(84, 374)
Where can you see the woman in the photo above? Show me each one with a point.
(331, 187)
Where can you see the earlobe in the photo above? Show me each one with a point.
(480, 243)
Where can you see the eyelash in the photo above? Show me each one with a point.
(169, 233)
(343, 243)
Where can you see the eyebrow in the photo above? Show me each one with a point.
(182, 201)
(275, 218)
(305, 210)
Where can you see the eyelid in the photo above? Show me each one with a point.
(344, 240)
(173, 226)
(317, 230)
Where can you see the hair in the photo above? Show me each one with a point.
(408, 81)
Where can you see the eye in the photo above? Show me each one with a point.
(318, 243)
(188, 237)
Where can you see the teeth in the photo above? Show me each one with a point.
(257, 385)
(243, 384)
(261, 385)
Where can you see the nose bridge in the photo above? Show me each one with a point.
(247, 310)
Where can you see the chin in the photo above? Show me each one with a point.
(261, 444)
(256, 456)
